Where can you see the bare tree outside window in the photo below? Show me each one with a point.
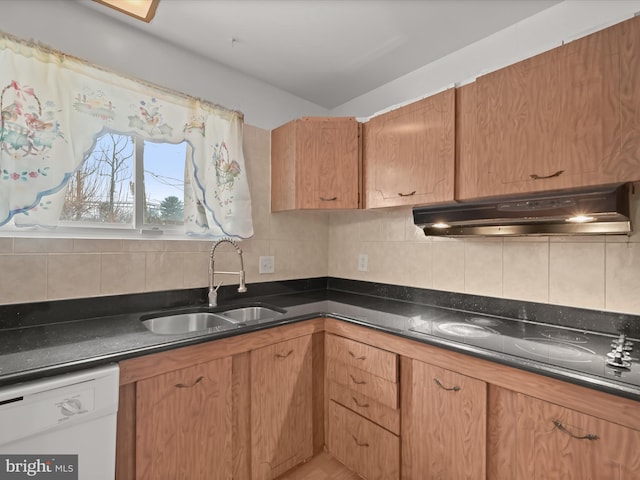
(102, 191)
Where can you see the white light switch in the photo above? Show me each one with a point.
(267, 265)
(363, 262)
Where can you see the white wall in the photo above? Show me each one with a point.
(566, 21)
(68, 26)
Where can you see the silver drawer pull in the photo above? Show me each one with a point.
(588, 436)
(353, 355)
(538, 177)
(280, 355)
(407, 194)
(357, 382)
(182, 385)
(331, 199)
(455, 388)
(361, 405)
(360, 444)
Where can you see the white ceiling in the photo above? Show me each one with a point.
(328, 51)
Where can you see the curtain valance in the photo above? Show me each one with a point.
(54, 108)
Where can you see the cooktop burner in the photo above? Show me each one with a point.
(564, 336)
(484, 321)
(551, 349)
(466, 330)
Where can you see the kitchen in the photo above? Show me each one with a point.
(592, 272)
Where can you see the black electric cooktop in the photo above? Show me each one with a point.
(608, 356)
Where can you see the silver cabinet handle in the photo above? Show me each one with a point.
(182, 385)
(361, 405)
(332, 199)
(357, 382)
(407, 194)
(359, 443)
(285, 355)
(588, 436)
(455, 388)
(353, 355)
(538, 177)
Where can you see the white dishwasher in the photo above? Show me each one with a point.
(70, 414)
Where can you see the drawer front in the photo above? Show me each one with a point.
(362, 382)
(384, 416)
(363, 446)
(370, 359)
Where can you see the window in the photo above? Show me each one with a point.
(127, 182)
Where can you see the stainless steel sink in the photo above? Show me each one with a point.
(188, 322)
(202, 319)
(248, 314)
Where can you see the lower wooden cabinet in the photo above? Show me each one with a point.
(361, 445)
(556, 443)
(184, 424)
(443, 423)
(281, 407)
(254, 406)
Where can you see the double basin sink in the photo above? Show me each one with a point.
(208, 319)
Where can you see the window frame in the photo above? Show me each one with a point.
(135, 230)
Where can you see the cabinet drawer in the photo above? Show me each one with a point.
(384, 416)
(365, 357)
(363, 446)
(362, 382)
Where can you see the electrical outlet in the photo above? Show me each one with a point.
(363, 262)
(267, 265)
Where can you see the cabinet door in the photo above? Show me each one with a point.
(562, 119)
(327, 174)
(558, 443)
(315, 164)
(184, 424)
(443, 424)
(281, 407)
(409, 153)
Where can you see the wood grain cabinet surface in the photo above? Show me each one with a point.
(184, 424)
(566, 118)
(556, 443)
(409, 154)
(363, 416)
(281, 407)
(315, 164)
(443, 424)
(361, 445)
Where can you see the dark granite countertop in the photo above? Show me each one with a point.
(41, 340)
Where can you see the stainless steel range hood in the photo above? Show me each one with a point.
(598, 211)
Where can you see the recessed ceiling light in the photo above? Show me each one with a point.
(441, 225)
(141, 9)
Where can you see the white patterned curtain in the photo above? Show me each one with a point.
(54, 108)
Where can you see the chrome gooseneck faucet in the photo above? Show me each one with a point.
(213, 290)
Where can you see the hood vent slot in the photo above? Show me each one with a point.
(576, 212)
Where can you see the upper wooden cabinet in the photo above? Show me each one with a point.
(569, 117)
(409, 154)
(315, 164)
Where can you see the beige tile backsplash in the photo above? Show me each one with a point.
(595, 272)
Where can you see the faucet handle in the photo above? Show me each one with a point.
(213, 295)
(242, 288)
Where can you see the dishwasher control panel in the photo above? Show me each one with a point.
(47, 409)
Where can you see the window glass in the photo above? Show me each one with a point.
(102, 191)
(164, 165)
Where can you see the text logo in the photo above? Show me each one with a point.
(39, 467)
